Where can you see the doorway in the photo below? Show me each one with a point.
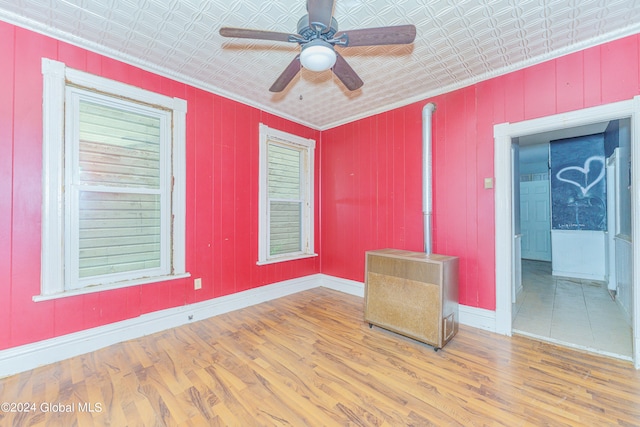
(561, 299)
(504, 134)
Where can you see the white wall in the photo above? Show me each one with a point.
(579, 253)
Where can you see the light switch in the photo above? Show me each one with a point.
(488, 183)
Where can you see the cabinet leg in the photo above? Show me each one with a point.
(370, 325)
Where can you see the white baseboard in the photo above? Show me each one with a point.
(477, 317)
(347, 286)
(30, 356)
(578, 275)
(23, 358)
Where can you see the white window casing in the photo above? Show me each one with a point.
(146, 191)
(286, 205)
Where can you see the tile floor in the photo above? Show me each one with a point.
(573, 312)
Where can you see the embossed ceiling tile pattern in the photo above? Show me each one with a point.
(457, 43)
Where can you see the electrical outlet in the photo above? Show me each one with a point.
(197, 284)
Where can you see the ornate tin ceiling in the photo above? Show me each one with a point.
(458, 42)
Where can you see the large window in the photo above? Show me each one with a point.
(286, 196)
(113, 184)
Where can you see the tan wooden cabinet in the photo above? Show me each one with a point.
(413, 294)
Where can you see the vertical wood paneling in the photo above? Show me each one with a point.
(252, 160)
(200, 157)
(454, 187)
(178, 290)
(462, 158)
(222, 196)
(490, 110)
(90, 310)
(619, 67)
(113, 306)
(216, 200)
(514, 98)
(119, 71)
(133, 299)
(71, 56)
(335, 188)
(384, 175)
(539, 90)
(592, 77)
(67, 317)
(347, 214)
(351, 215)
(328, 224)
(227, 201)
(94, 64)
(400, 179)
(371, 177)
(473, 187)
(196, 108)
(243, 213)
(26, 192)
(569, 82)
(7, 75)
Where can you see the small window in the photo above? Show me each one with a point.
(286, 196)
(113, 184)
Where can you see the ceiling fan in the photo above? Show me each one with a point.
(318, 35)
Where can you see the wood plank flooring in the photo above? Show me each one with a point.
(309, 360)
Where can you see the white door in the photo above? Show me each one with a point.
(535, 220)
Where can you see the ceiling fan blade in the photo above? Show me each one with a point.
(244, 33)
(399, 34)
(320, 12)
(287, 75)
(346, 74)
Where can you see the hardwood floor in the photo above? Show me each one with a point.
(309, 360)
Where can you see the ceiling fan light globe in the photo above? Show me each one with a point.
(317, 57)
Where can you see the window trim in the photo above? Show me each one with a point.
(307, 147)
(56, 78)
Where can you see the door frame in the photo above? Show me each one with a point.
(504, 133)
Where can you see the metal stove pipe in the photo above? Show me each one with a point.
(427, 112)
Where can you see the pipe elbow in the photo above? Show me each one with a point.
(429, 108)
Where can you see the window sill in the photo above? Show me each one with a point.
(285, 258)
(102, 288)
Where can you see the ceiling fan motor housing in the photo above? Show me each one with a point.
(309, 32)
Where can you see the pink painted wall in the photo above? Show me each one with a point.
(371, 179)
(368, 181)
(222, 197)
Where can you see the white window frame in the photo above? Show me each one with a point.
(58, 80)
(307, 148)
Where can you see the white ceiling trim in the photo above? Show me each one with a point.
(491, 74)
(137, 62)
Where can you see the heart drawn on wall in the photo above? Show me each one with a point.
(576, 175)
